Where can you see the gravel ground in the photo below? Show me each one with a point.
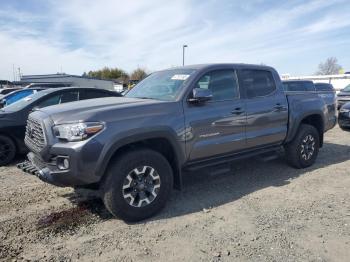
(260, 211)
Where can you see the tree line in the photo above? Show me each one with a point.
(118, 74)
(329, 67)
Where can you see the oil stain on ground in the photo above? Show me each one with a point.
(68, 221)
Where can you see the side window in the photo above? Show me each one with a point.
(222, 83)
(69, 97)
(257, 83)
(53, 100)
(90, 94)
(309, 86)
(59, 99)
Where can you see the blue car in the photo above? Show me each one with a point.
(18, 95)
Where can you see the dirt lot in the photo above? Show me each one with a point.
(258, 212)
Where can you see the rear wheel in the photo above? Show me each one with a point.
(303, 150)
(137, 185)
(7, 150)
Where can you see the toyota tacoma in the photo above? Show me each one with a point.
(134, 149)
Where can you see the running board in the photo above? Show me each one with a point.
(267, 154)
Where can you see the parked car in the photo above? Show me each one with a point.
(18, 95)
(13, 117)
(344, 117)
(298, 85)
(324, 87)
(5, 91)
(5, 84)
(343, 96)
(133, 149)
(48, 85)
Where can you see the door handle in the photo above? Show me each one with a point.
(279, 107)
(237, 111)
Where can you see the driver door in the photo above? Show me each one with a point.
(217, 127)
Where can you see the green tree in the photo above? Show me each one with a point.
(108, 73)
(138, 74)
(329, 67)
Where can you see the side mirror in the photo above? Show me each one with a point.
(200, 95)
(2, 103)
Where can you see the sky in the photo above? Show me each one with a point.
(76, 36)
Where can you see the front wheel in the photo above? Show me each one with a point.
(303, 150)
(137, 185)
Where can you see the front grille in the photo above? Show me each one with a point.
(35, 138)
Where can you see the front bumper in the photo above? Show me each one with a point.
(82, 158)
(49, 173)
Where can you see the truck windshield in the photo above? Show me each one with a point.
(347, 88)
(162, 85)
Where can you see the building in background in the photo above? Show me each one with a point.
(70, 80)
(338, 81)
(5, 84)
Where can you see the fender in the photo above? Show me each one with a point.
(295, 122)
(139, 135)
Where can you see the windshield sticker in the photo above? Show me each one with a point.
(180, 77)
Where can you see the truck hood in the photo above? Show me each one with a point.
(343, 93)
(99, 109)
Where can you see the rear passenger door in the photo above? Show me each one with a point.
(267, 108)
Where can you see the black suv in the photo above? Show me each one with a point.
(343, 96)
(13, 117)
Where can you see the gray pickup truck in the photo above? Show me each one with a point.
(134, 149)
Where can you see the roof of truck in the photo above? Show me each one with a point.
(210, 65)
(297, 81)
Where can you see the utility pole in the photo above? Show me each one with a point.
(13, 72)
(19, 74)
(183, 54)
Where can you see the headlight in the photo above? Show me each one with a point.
(344, 110)
(77, 131)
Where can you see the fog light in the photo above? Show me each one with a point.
(66, 163)
(62, 163)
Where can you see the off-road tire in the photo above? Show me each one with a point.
(294, 150)
(112, 187)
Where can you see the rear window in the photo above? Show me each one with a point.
(298, 86)
(90, 94)
(257, 83)
(324, 87)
